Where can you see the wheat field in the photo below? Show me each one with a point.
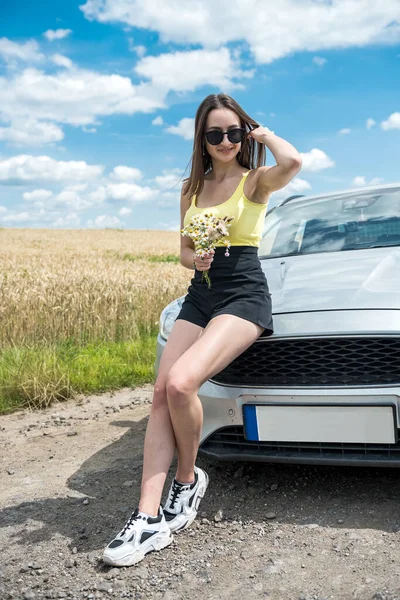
(86, 285)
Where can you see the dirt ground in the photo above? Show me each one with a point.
(70, 477)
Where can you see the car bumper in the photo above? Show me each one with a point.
(223, 436)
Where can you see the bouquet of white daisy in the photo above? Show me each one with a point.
(205, 230)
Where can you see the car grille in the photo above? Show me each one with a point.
(306, 362)
(229, 443)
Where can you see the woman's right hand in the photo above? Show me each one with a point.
(203, 264)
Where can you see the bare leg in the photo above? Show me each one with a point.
(160, 440)
(212, 352)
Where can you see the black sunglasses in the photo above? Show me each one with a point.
(215, 136)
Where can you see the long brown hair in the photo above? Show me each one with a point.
(252, 153)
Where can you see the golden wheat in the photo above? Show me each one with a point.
(85, 285)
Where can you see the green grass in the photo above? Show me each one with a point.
(36, 376)
(152, 258)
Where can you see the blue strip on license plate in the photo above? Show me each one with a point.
(250, 422)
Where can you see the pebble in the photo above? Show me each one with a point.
(274, 487)
(218, 516)
(29, 595)
(270, 515)
(141, 572)
(86, 501)
(239, 473)
(128, 483)
(118, 585)
(10, 471)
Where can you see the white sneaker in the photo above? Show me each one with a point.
(139, 536)
(183, 501)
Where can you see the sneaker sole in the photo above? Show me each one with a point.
(132, 559)
(191, 518)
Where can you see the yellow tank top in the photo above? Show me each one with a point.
(246, 228)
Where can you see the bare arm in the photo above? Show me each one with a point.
(288, 162)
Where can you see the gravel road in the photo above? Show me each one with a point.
(70, 478)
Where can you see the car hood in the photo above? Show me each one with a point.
(335, 281)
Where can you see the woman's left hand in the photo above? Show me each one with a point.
(259, 133)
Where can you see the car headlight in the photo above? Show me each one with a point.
(168, 316)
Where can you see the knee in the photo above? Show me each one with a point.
(159, 395)
(179, 389)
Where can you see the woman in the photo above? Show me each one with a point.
(215, 324)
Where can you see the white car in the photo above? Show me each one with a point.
(325, 387)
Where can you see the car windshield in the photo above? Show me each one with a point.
(348, 222)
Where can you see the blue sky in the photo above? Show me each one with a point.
(98, 98)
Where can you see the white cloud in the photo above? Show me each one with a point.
(157, 121)
(98, 196)
(75, 96)
(124, 211)
(185, 128)
(344, 131)
(130, 192)
(56, 34)
(296, 186)
(77, 187)
(360, 181)
(370, 123)
(62, 61)
(80, 97)
(318, 60)
(140, 50)
(22, 217)
(103, 221)
(393, 122)
(29, 51)
(316, 160)
(276, 31)
(169, 179)
(71, 220)
(69, 199)
(122, 173)
(29, 132)
(185, 71)
(3, 209)
(24, 168)
(37, 195)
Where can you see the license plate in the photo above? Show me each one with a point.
(286, 422)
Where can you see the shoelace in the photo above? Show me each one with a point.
(176, 489)
(134, 517)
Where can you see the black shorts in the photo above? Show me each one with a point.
(238, 287)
